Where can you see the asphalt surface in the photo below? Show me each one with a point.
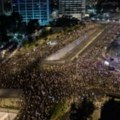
(74, 49)
(67, 49)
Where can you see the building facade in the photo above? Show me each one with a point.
(33, 9)
(75, 8)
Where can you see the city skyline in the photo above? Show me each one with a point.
(42, 10)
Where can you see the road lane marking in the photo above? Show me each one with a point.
(94, 38)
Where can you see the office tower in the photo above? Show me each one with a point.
(75, 8)
(33, 9)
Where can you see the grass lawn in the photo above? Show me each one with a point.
(61, 109)
(12, 103)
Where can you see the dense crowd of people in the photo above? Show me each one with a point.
(45, 86)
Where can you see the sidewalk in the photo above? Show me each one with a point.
(8, 110)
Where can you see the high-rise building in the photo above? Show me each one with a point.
(33, 9)
(75, 8)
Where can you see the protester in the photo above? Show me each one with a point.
(45, 86)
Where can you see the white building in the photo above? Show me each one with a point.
(75, 8)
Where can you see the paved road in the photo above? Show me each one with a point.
(73, 49)
(62, 52)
